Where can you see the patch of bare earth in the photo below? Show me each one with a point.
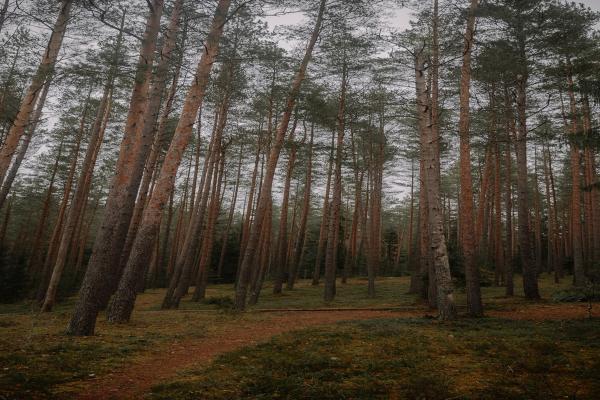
(136, 379)
(548, 312)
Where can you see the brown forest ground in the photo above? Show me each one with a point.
(126, 361)
(137, 379)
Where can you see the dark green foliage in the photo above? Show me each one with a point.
(223, 302)
(13, 279)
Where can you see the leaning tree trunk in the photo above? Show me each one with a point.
(82, 190)
(151, 114)
(34, 259)
(265, 193)
(124, 300)
(31, 128)
(78, 201)
(103, 271)
(41, 76)
(59, 225)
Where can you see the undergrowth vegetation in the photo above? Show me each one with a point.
(408, 359)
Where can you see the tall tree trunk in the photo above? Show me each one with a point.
(474, 304)
(333, 229)
(225, 237)
(151, 115)
(510, 134)
(41, 76)
(530, 284)
(79, 199)
(281, 259)
(208, 237)
(417, 282)
(498, 244)
(53, 246)
(103, 272)
(578, 267)
(84, 181)
(301, 240)
(34, 259)
(124, 299)
(324, 218)
(265, 195)
(593, 188)
(444, 287)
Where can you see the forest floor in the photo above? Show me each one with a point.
(388, 347)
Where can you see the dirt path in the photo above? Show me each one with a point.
(135, 380)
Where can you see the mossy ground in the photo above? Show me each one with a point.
(37, 360)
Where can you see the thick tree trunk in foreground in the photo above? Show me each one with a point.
(140, 256)
(265, 194)
(151, 115)
(103, 272)
(83, 182)
(43, 73)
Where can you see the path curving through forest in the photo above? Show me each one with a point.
(134, 380)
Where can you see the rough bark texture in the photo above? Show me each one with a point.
(103, 272)
(140, 256)
(83, 182)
